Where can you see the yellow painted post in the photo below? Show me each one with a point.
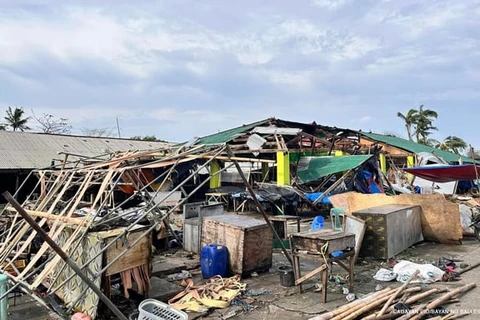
(410, 163)
(338, 153)
(215, 181)
(283, 168)
(383, 163)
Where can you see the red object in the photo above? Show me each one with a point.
(446, 173)
(81, 316)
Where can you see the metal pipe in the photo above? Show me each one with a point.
(63, 255)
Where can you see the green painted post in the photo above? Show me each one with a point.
(4, 301)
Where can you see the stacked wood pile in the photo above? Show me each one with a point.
(401, 303)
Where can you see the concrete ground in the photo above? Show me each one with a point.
(285, 303)
(278, 303)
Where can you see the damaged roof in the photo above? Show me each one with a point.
(27, 150)
(414, 147)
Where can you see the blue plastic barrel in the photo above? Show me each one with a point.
(214, 260)
(317, 223)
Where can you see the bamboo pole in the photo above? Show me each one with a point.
(398, 292)
(353, 304)
(473, 266)
(417, 313)
(352, 314)
(409, 301)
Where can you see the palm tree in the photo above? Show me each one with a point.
(423, 121)
(432, 143)
(410, 121)
(15, 119)
(453, 144)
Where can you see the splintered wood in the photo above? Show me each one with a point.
(75, 204)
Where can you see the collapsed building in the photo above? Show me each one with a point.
(106, 210)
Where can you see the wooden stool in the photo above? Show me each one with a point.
(318, 245)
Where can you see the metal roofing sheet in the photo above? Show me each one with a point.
(414, 147)
(26, 150)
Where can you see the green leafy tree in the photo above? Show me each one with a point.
(453, 144)
(423, 121)
(15, 119)
(409, 120)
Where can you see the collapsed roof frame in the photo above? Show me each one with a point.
(108, 176)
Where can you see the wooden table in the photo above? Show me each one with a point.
(220, 197)
(318, 245)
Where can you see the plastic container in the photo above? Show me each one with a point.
(4, 301)
(337, 216)
(317, 223)
(214, 260)
(152, 309)
(287, 278)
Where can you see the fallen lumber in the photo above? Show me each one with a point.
(77, 221)
(473, 266)
(409, 301)
(397, 293)
(349, 315)
(348, 306)
(417, 313)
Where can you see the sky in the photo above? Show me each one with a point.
(183, 68)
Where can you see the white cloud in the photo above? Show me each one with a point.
(329, 4)
(365, 119)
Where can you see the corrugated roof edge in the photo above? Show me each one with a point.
(80, 136)
(229, 134)
(414, 147)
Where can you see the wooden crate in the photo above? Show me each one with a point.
(249, 241)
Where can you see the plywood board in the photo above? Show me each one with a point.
(357, 227)
(138, 255)
(249, 246)
(440, 217)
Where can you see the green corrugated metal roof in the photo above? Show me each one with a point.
(414, 147)
(227, 135)
(314, 168)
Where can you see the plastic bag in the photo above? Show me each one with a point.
(428, 272)
(385, 275)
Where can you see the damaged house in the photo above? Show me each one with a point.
(106, 206)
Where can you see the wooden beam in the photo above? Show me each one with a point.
(49, 216)
(240, 159)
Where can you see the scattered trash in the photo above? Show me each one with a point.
(254, 274)
(385, 275)
(345, 291)
(179, 276)
(378, 287)
(256, 293)
(318, 287)
(350, 297)
(428, 272)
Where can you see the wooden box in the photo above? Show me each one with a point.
(249, 241)
(390, 229)
(193, 215)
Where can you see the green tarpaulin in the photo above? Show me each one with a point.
(314, 168)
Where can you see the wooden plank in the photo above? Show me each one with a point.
(136, 256)
(76, 221)
(310, 274)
